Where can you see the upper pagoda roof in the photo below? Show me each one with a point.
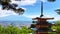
(38, 18)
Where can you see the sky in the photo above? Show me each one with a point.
(32, 10)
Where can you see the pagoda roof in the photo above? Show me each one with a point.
(38, 18)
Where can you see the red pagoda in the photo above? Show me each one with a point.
(42, 25)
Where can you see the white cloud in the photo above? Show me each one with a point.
(21, 7)
(52, 16)
(57, 18)
(24, 2)
(34, 16)
(46, 16)
(31, 16)
(43, 0)
(4, 13)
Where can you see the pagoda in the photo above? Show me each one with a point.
(42, 25)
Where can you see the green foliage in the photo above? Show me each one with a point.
(14, 30)
(52, 33)
(57, 23)
(57, 27)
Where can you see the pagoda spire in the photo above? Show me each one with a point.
(41, 9)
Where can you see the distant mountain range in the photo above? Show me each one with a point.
(15, 18)
(19, 23)
(16, 23)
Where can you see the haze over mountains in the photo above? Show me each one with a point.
(17, 21)
(15, 18)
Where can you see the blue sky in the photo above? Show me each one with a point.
(32, 10)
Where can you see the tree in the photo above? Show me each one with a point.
(58, 11)
(51, 0)
(6, 4)
(56, 27)
(15, 30)
(1, 29)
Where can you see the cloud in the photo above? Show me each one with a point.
(43, 0)
(4, 13)
(57, 18)
(31, 16)
(24, 2)
(34, 16)
(52, 16)
(46, 16)
(22, 8)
